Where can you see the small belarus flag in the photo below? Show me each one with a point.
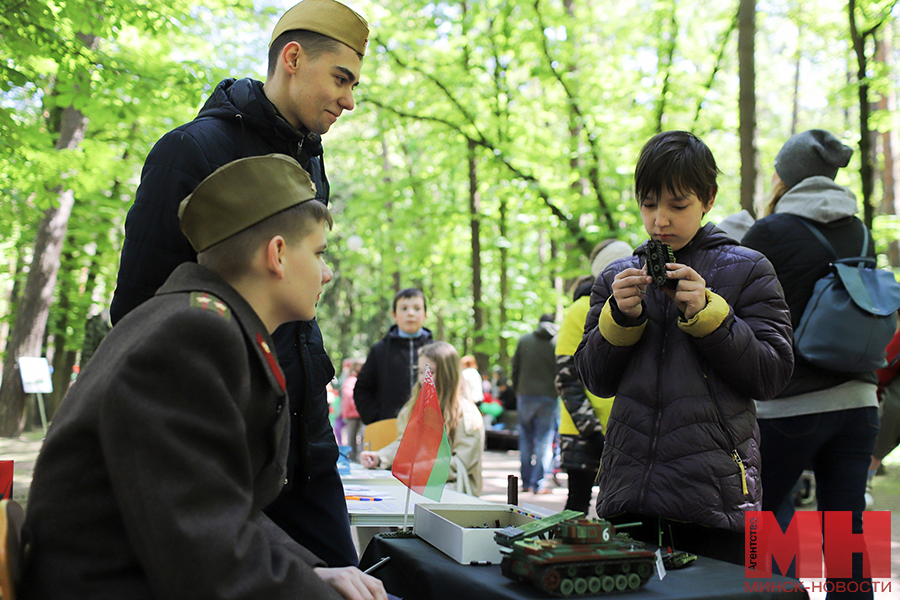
(422, 462)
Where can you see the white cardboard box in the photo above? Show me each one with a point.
(458, 530)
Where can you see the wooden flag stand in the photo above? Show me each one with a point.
(42, 410)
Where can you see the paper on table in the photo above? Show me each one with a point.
(364, 499)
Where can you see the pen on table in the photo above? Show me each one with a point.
(378, 564)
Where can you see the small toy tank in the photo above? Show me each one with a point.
(585, 557)
(658, 254)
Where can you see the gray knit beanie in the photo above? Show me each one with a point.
(811, 153)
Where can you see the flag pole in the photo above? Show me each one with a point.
(412, 468)
(406, 509)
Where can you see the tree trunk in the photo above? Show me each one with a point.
(867, 162)
(747, 104)
(34, 308)
(666, 59)
(504, 284)
(795, 109)
(475, 227)
(890, 172)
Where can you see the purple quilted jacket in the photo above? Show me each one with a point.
(682, 439)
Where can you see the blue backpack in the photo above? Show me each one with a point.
(851, 315)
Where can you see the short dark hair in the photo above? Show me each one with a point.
(678, 161)
(409, 293)
(314, 45)
(547, 318)
(231, 256)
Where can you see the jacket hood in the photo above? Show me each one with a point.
(819, 199)
(394, 332)
(546, 330)
(245, 99)
(583, 290)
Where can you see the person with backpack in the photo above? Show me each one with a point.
(825, 418)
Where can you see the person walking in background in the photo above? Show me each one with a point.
(472, 379)
(533, 374)
(684, 364)
(824, 418)
(506, 394)
(583, 415)
(314, 63)
(462, 421)
(384, 381)
(352, 423)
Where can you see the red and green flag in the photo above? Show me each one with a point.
(422, 462)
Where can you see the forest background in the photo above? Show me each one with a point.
(493, 144)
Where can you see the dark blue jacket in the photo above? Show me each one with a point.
(238, 121)
(800, 260)
(387, 377)
(684, 404)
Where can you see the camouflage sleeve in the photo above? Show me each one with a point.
(572, 392)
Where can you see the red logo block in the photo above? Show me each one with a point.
(812, 535)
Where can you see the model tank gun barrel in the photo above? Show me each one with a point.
(626, 525)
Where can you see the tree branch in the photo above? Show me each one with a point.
(718, 65)
(594, 169)
(498, 155)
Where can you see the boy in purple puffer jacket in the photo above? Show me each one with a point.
(684, 364)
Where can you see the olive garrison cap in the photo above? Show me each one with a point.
(241, 194)
(329, 18)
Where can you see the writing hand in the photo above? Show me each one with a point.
(369, 460)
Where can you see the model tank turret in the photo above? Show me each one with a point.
(584, 557)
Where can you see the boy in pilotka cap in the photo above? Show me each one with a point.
(153, 476)
(314, 65)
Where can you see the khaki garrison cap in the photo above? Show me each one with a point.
(328, 17)
(241, 194)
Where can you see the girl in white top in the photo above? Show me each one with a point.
(462, 420)
(474, 385)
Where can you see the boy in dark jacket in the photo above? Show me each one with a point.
(387, 377)
(315, 57)
(684, 364)
(154, 474)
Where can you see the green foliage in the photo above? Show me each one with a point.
(547, 94)
(133, 84)
(558, 98)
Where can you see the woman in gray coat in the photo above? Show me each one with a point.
(824, 419)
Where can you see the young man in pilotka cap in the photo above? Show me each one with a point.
(315, 58)
(152, 479)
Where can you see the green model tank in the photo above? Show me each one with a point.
(584, 557)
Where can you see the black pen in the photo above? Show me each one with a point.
(376, 565)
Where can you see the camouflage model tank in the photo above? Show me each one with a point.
(584, 557)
